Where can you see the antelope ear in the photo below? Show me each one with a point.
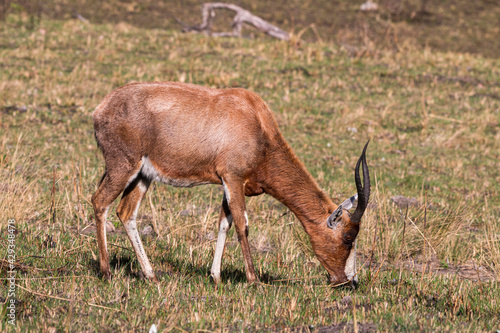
(348, 203)
(335, 218)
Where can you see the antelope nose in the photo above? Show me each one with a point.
(336, 282)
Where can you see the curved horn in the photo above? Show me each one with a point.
(363, 189)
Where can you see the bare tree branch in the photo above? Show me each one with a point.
(242, 16)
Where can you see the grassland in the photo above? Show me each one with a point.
(433, 118)
(446, 25)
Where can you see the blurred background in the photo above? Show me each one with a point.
(446, 25)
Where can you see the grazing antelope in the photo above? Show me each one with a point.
(186, 135)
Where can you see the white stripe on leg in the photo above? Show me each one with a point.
(246, 219)
(227, 194)
(225, 224)
(104, 217)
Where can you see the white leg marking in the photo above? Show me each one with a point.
(133, 234)
(246, 219)
(225, 224)
(148, 170)
(226, 191)
(350, 265)
(131, 179)
(104, 216)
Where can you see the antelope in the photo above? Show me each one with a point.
(186, 135)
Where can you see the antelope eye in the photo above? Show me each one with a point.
(349, 237)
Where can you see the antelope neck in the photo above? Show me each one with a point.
(291, 184)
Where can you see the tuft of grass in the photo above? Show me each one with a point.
(433, 120)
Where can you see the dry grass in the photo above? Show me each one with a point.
(446, 25)
(434, 123)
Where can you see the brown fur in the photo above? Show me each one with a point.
(194, 135)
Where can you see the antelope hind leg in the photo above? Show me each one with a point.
(127, 213)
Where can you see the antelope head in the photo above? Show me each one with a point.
(334, 242)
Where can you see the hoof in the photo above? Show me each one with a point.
(216, 278)
(107, 275)
(252, 280)
(151, 277)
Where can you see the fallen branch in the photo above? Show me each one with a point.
(242, 16)
(81, 18)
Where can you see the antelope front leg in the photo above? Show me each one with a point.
(225, 222)
(236, 202)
